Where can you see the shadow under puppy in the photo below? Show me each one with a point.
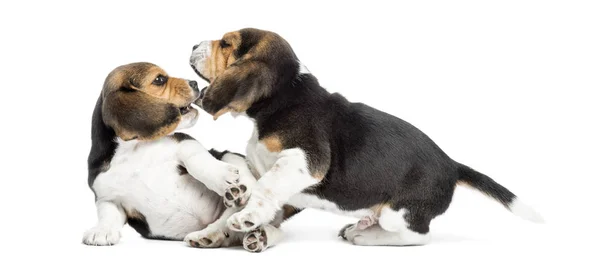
(312, 148)
(163, 184)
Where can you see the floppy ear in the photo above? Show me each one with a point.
(136, 115)
(238, 87)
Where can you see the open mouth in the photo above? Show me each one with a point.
(185, 110)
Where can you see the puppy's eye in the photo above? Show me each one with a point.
(160, 80)
(224, 44)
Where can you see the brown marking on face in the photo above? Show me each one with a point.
(242, 69)
(222, 55)
(138, 106)
(272, 143)
(175, 90)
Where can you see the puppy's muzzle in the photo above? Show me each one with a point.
(194, 85)
(200, 53)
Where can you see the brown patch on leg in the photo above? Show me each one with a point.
(273, 143)
(377, 209)
(137, 221)
(289, 211)
(134, 214)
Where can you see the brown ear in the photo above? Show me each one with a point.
(240, 85)
(136, 115)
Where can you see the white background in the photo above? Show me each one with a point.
(509, 88)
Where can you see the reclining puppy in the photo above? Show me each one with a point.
(315, 149)
(163, 184)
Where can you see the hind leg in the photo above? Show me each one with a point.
(395, 228)
(216, 234)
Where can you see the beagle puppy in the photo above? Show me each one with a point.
(315, 149)
(162, 183)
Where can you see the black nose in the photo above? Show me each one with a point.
(195, 46)
(202, 92)
(194, 85)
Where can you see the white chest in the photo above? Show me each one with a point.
(144, 177)
(259, 156)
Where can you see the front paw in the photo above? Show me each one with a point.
(237, 196)
(244, 221)
(228, 177)
(206, 238)
(98, 236)
(255, 240)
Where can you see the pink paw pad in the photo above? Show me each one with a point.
(366, 222)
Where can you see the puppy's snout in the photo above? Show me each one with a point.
(201, 51)
(194, 85)
(199, 57)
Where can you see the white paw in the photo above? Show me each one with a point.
(366, 222)
(228, 177)
(98, 236)
(244, 221)
(206, 238)
(237, 195)
(255, 240)
(348, 232)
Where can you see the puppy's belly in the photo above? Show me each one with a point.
(170, 204)
(312, 201)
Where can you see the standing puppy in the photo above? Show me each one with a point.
(163, 184)
(315, 149)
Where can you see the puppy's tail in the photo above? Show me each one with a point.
(488, 186)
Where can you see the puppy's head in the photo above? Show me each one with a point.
(242, 67)
(141, 101)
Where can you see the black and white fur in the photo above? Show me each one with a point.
(343, 157)
(165, 188)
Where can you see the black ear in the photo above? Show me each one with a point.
(240, 85)
(134, 114)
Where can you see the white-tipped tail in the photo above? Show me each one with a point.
(524, 211)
